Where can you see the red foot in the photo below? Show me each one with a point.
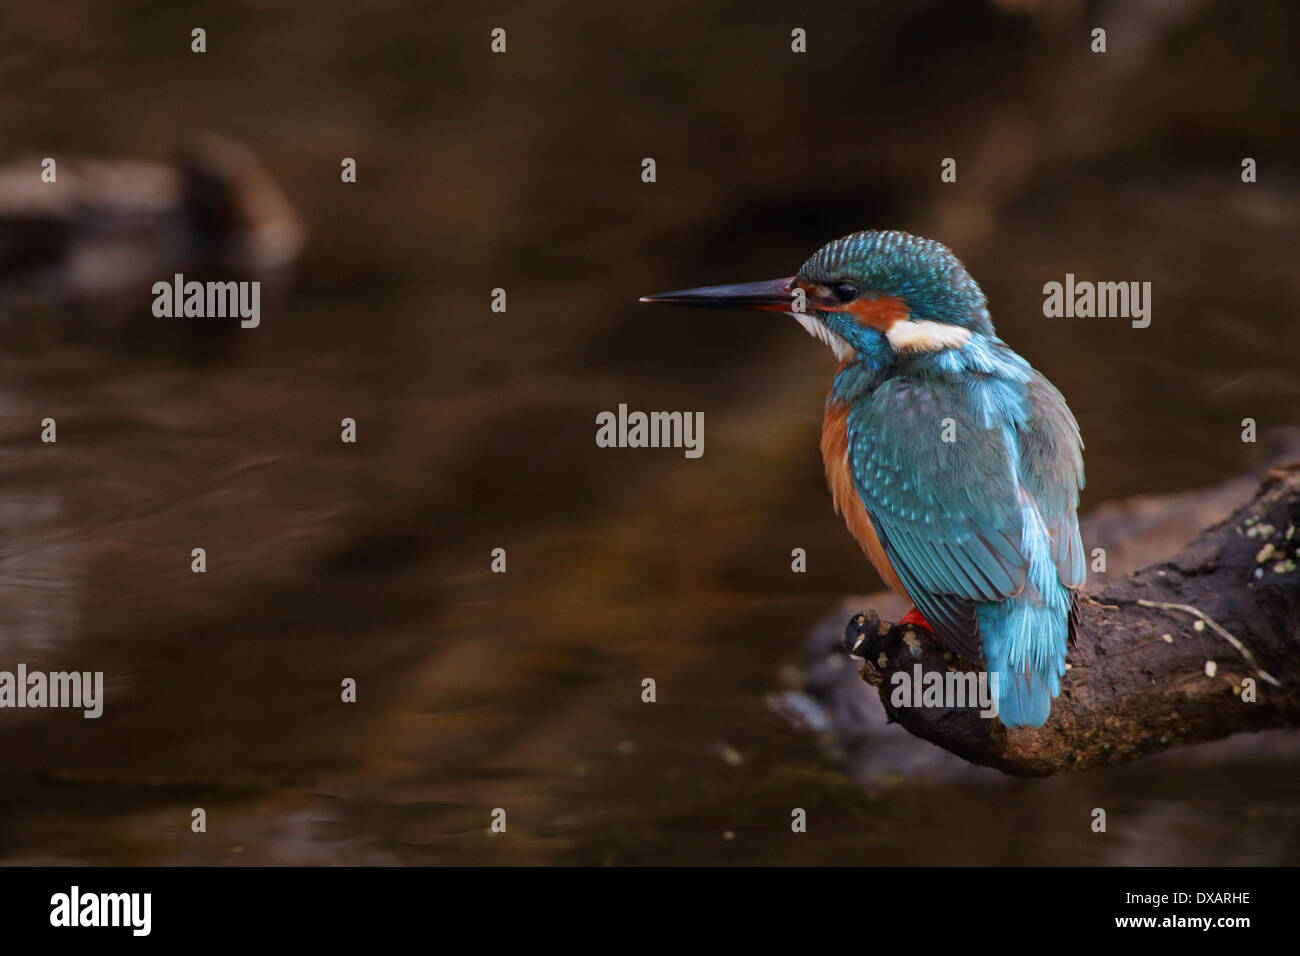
(915, 618)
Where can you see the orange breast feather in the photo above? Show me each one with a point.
(835, 455)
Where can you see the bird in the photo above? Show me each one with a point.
(955, 464)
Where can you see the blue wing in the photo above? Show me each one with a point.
(981, 529)
(1051, 468)
(948, 512)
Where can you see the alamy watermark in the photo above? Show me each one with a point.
(634, 429)
(75, 908)
(946, 689)
(83, 690)
(1085, 300)
(210, 300)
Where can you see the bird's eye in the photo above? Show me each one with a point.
(845, 291)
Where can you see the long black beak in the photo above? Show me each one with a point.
(774, 295)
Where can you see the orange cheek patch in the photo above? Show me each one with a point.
(879, 313)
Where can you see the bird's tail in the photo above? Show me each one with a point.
(1025, 636)
(1024, 645)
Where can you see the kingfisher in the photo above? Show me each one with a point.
(956, 465)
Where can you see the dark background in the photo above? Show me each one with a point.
(476, 429)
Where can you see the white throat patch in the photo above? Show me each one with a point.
(818, 330)
(923, 335)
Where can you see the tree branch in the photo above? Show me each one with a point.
(1163, 658)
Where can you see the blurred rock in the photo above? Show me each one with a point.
(92, 243)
